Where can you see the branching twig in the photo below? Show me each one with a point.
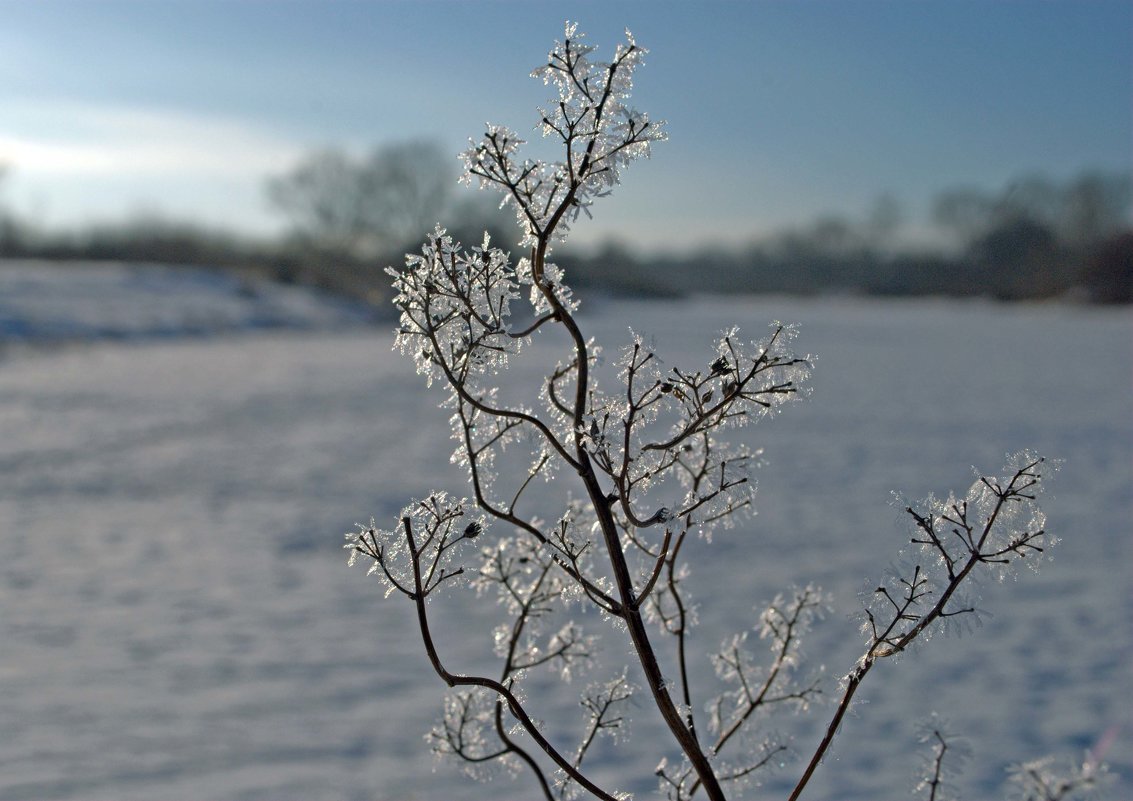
(622, 456)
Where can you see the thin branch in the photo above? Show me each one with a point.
(454, 680)
(647, 590)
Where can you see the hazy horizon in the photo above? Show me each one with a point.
(778, 113)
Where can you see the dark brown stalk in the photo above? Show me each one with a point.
(852, 683)
(884, 645)
(638, 633)
(454, 680)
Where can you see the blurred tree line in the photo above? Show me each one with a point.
(1035, 239)
(349, 216)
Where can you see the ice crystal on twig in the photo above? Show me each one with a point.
(943, 758)
(1051, 779)
(418, 558)
(600, 134)
(627, 478)
(995, 525)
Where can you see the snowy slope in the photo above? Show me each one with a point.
(177, 620)
(42, 301)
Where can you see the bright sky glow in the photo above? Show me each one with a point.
(778, 112)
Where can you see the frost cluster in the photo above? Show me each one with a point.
(418, 557)
(992, 528)
(755, 687)
(942, 759)
(599, 133)
(455, 309)
(636, 471)
(1051, 779)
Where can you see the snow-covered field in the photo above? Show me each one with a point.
(177, 620)
(42, 302)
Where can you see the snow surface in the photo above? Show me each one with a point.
(46, 302)
(177, 620)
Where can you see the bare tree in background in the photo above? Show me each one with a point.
(638, 470)
(364, 206)
(1081, 212)
(9, 226)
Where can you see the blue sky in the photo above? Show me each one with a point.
(778, 111)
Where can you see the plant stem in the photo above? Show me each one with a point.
(454, 680)
(638, 633)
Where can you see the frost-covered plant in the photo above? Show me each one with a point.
(1047, 779)
(639, 468)
(944, 758)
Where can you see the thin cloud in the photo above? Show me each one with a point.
(60, 138)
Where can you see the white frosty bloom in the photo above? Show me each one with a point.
(417, 557)
(589, 115)
(456, 308)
